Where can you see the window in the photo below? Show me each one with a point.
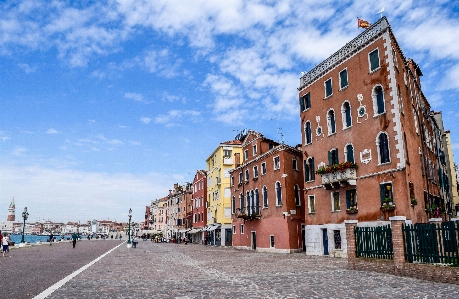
(385, 191)
(337, 239)
(257, 203)
(305, 102)
(233, 204)
(307, 132)
(265, 196)
(400, 100)
(335, 201)
(331, 123)
(333, 157)
(263, 168)
(232, 180)
(297, 195)
(247, 200)
(234, 229)
(378, 100)
(241, 226)
(246, 175)
(349, 153)
(226, 153)
(382, 144)
(294, 164)
(271, 241)
(346, 115)
(278, 194)
(255, 172)
(351, 199)
(254, 150)
(240, 177)
(309, 174)
(276, 163)
(328, 88)
(374, 60)
(343, 79)
(246, 155)
(311, 204)
(241, 201)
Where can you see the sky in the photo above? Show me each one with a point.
(104, 105)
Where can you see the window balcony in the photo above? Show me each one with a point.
(227, 161)
(338, 175)
(249, 213)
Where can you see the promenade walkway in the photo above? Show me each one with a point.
(160, 270)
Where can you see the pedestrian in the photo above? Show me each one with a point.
(51, 237)
(74, 239)
(120, 237)
(5, 242)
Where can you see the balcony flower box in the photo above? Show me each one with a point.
(338, 173)
(352, 210)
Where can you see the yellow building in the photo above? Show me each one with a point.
(453, 178)
(223, 159)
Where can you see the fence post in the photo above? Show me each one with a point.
(350, 240)
(396, 223)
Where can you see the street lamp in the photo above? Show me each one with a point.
(129, 229)
(25, 215)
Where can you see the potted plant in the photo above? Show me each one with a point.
(414, 202)
(388, 204)
(352, 210)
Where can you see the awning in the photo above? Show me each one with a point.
(211, 228)
(193, 231)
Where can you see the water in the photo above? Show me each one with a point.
(35, 238)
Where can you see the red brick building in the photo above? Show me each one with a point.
(146, 222)
(364, 105)
(267, 202)
(199, 200)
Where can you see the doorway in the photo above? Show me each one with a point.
(228, 237)
(325, 240)
(254, 241)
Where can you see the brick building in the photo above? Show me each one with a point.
(364, 105)
(267, 202)
(146, 222)
(199, 200)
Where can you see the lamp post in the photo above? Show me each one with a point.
(129, 245)
(25, 215)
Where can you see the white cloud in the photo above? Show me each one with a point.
(52, 131)
(174, 117)
(136, 97)
(27, 68)
(145, 120)
(19, 151)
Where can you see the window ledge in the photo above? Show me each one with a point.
(347, 128)
(377, 115)
(375, 70)
(337, 211)
(327, 97)
(344, 88)
(311, 213)
(331, 134)
(306, 144)
(309, 181)
(306, 109)
(382, 164)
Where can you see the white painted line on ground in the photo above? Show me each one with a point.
(63, 281)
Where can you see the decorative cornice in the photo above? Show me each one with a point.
(345, 52)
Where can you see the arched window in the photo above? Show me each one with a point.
(257, 203)
(252, 205)
(349, 153)
(265, 196)
(382, 143)
(297, 195)
(378, 100)
(346, 115)
(278, 194)
(307, 132)
(331, 122)
(309, 174)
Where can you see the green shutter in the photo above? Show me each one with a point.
(330, 158)
(302, 103)
(313, 175)
(382, 192)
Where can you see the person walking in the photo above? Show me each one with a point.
(74, 239)
(5, 242)
(51, 238)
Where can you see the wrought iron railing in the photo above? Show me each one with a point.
(248, 212)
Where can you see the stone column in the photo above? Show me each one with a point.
(396, 223)
(350, 240)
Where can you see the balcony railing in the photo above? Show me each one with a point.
(248, 213)
(339, 178)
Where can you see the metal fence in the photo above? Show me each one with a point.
(374, 242)
(431, 243)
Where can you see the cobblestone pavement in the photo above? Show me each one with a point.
(194, 271)
(26, 272)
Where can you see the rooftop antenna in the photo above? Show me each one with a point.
(279, 131)
(381, 11)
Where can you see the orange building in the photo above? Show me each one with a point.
(371, 146)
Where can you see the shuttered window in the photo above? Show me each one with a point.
(374, 60)
(328, 88)
(343, 79)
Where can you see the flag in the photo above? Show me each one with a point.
(362, 23)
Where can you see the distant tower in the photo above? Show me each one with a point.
(11, 211)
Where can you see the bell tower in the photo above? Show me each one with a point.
(11, 211)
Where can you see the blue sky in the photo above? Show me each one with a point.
(106, 104)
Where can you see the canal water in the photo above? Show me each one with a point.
(35, 238)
